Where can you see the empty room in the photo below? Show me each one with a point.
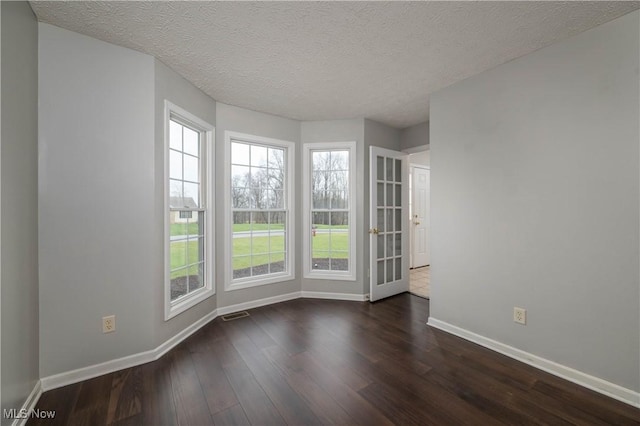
(265, 213)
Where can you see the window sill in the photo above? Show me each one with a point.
(180, 305)
(241, 283)
(326, 275)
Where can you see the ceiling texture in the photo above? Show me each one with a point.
(330, 60)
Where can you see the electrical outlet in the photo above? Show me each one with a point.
(109, 324)
(520, 315)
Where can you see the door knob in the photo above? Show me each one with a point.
(374, 231)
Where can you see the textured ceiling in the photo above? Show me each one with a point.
(330, 60)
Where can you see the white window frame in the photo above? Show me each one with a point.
(289, 274)
(207, 132)
(308, 272)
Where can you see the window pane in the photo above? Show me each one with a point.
(178, 254)
(175, 194)
(191, 195)
(380, 246)
(398, 171)
(241, 266)
(191, 168)
(178, 227)
(276, 220)
(240, 176)
(258, 156)
(260, 264)
(320, 260)
(389, 271)
(320, 181)
(175, 135)
(191, 142)
(277, 262)
(380, 194)
(276, 179)
(175, 164)
(340, 160)
(339, 180)
(240, 153)
(179, 283)
(276, 241)
(339, 261)
(241, 198)
(321, 199)
(320, 160)
(276, 158)
(338, 199)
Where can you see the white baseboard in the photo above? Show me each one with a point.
(334, 296)
(89, 372)
(257, 303)
(29, 404)
(583, 379)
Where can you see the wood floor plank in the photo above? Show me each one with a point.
(311, 361)
(191, 405)
(125, 397)
(232, 416)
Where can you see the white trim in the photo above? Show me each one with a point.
(229, 283)
(583, 379)
(173, 308)
(350, 275)
(257, 303)
(29, 404)
(334, 296)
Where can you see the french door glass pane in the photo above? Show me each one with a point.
(380, 168)
(389, 173)
(380, 274)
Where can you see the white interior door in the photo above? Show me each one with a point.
(421, 182)
(389, 224)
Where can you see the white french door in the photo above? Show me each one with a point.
(389, 223)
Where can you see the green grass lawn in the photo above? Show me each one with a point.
(192, 228)
(335, 246)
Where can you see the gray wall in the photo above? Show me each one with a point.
(340, 131)
(414, 137)
(97, 193)
(380, 135)
(255, 123)
(535, 202)
(171, 86)
(19, 180)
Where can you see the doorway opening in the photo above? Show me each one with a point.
(420, 232)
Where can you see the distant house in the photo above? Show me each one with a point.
(180, 203)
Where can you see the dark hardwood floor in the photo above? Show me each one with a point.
(308, 362)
